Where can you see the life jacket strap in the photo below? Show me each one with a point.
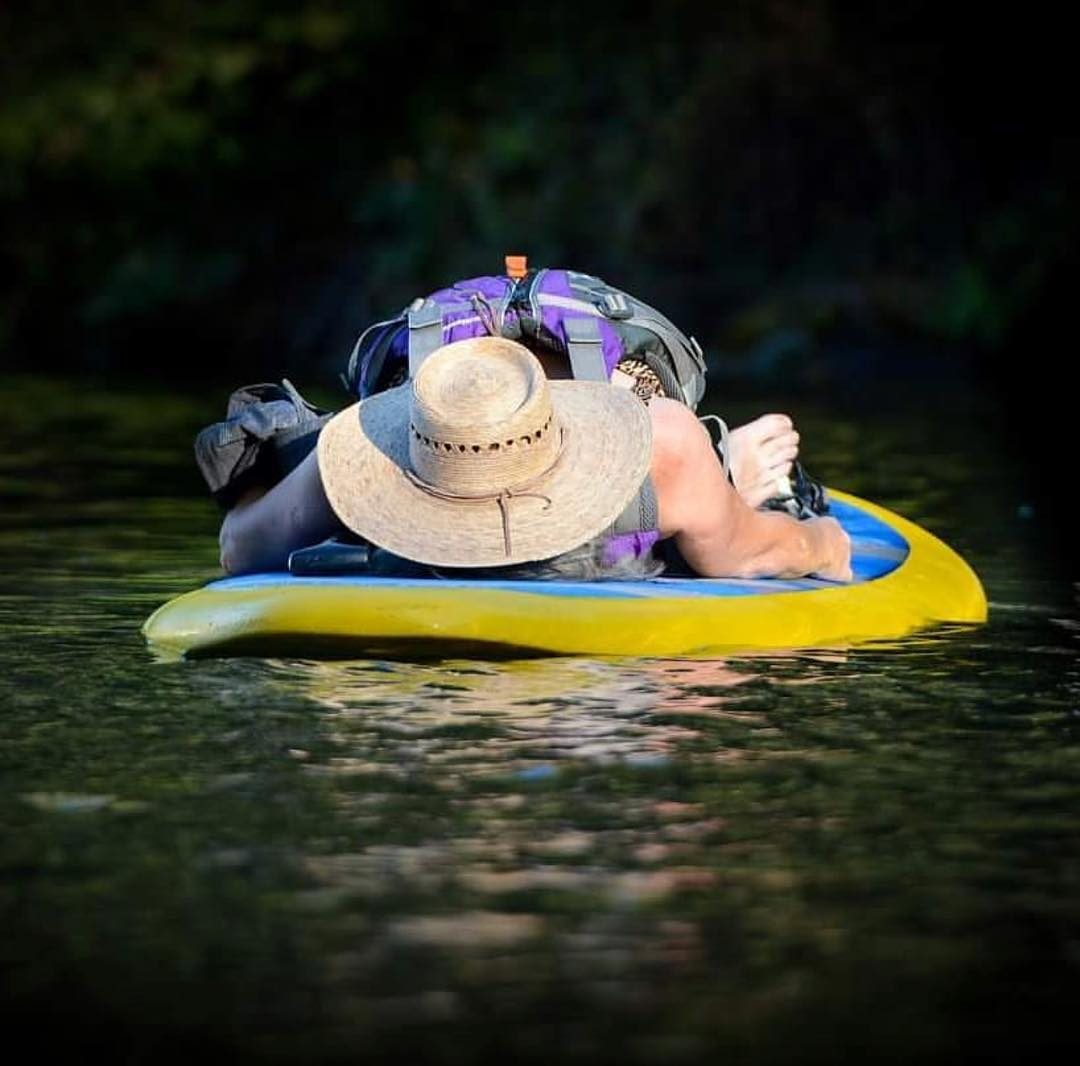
(586, 350)
(425, 332)
(641, 514)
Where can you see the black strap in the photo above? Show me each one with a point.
(332, 556)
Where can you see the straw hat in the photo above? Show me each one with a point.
(481, 461)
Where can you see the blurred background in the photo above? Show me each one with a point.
(826, 195)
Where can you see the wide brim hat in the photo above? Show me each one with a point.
(480, 461)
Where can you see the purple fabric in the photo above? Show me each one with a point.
(629, 546)
(491, 288)
(463, 320)
(557, 283)
(455, 328)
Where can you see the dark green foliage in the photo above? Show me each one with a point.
(247, 183)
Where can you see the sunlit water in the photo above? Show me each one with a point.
(844, 855)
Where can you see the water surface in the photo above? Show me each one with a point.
(803, 857)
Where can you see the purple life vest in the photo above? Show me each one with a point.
(592, 324)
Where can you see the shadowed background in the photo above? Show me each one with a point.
(828, 196)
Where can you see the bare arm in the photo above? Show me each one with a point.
(265, 526)
(716, 532)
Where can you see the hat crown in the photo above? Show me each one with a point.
(481, 419)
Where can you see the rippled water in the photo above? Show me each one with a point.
(866, 855)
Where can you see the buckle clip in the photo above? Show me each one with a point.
(615, 305)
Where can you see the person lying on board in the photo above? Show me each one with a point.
(481, 463)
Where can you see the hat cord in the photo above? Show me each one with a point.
(502, 497)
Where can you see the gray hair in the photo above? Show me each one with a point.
(583, 563)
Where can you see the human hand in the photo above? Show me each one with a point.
(835, 549)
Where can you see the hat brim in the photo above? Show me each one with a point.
(363, 453)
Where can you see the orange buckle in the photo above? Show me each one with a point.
(517, 266)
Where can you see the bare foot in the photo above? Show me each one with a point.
(760, 454)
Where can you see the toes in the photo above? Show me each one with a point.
(763, 453)
(784, 449)
(779, 470)
(776, 431)
(764, 484)
(764, 428)
(774, 425)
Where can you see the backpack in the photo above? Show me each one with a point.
(268, 430)
(562, 312)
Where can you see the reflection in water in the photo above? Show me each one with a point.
(518, 712)
(497, 751)
(649, 861)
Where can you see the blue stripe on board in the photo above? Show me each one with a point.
(877, 549)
